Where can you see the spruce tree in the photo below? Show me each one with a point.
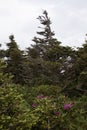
(45, 39)
(14, 60)
(39, 54)
(82, 68)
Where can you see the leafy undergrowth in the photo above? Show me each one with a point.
(40, 109)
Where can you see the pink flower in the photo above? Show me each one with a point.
(56, 113)
(67, 106)
(40, 96)
(34, 105)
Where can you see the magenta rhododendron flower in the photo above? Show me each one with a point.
(67, 106)
(56, 113)
(40, 96)
(34, 105)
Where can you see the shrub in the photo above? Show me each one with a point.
(59, 114)
(14, 110)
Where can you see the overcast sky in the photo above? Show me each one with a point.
(18, 17)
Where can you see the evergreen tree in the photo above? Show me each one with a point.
(76, 75)
(44, 55)
(82, 68)
(14, 60)
(2, 52)
(5, 79)
(46, 36)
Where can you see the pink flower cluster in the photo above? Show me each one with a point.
(56, 113)
(68, 106)
(40, 96)
(34, 105)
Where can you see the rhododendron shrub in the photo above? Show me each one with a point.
(58, 113)
(15, 113)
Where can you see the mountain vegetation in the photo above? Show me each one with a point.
(45, 86)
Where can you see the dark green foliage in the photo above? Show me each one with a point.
(4, 77)
(15, 61)
(47, 61)
(82, 66)
(40, 60)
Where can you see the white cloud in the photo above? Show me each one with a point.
(19, 17)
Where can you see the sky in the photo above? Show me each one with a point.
(18, 17)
